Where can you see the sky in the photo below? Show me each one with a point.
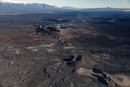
(80, 3)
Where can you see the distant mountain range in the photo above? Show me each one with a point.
(21, 6)
(68, 7)
(8, 6)
(106, 9)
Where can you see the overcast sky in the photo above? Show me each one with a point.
(81, 3)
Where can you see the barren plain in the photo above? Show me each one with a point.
(90, 49)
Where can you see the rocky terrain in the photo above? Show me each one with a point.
(91, 52)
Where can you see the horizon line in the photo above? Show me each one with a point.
(17, 2)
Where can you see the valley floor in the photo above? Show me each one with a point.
(89, 51)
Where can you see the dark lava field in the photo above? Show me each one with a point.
(65, 49)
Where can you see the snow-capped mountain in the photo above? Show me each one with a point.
(24, 6)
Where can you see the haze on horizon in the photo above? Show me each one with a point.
(80, 3)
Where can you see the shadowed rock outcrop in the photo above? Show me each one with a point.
(46, 29)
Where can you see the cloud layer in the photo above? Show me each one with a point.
(13, 1)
